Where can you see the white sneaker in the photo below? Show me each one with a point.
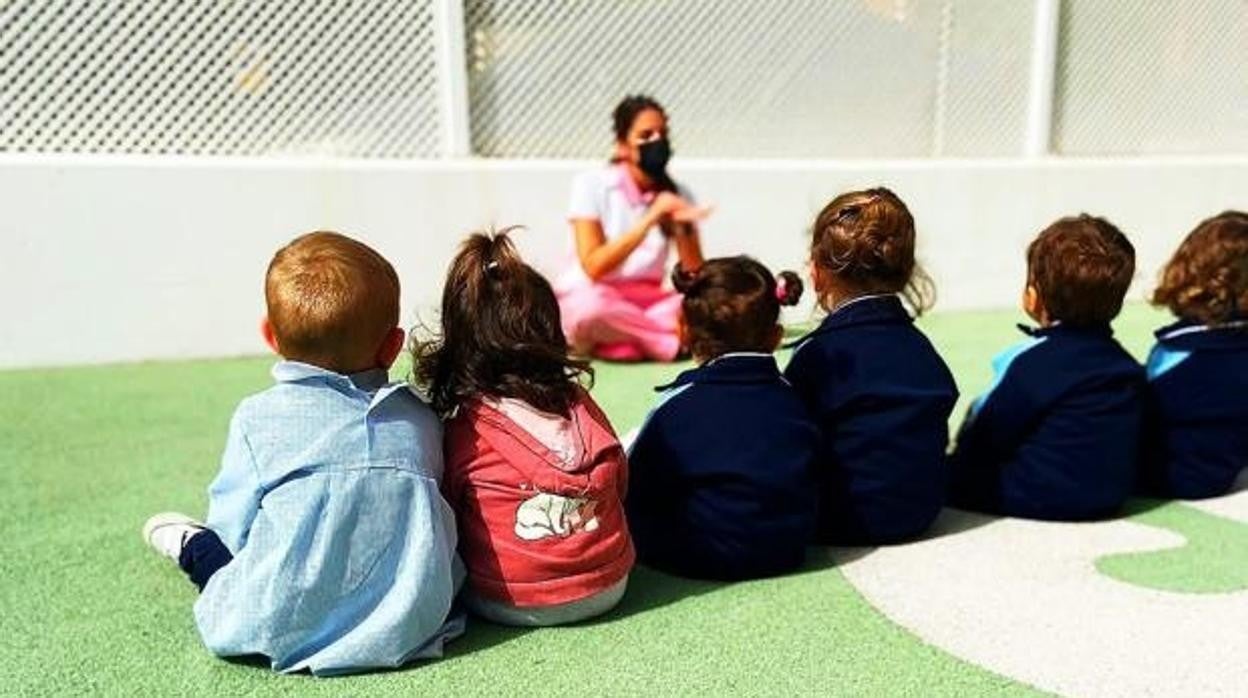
(169, 531)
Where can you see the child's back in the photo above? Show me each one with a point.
(721, 483)
(1196, 414)
(882, 397)
(1056, 436)
(539, 500)
(328, 545)
(721, 473)
(877, 388)
(534, 471)
(344, 551)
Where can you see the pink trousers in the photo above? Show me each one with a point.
(628, 321)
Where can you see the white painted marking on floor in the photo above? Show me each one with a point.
(1023, 599)
(1234, 506)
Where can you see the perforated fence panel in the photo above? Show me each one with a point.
(752, 77)
(216, 77)
(740, 78)
(1152, 77)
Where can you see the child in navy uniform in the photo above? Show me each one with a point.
(1196, 405)
(1056, 435)
(720, 479)
(878, 390)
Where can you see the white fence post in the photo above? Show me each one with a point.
(1038, 139)
(448, 32)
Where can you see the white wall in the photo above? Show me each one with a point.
(125, 258)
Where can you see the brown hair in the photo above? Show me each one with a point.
(1081, 267)
(732, 304)
(627, 111)
(501, 335)
(864, 241)
(331, 300)
(1206, 280)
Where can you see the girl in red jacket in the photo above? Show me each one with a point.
(534, 471)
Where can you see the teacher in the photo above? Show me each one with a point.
(625, 218)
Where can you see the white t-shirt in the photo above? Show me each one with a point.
(610, 196)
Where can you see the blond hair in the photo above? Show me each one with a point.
(331, 301)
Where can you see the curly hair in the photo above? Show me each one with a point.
(865, 241)
(501, 335)
(1081, 267)
(1206, 280)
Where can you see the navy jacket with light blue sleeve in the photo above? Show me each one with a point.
(881, 396)
(1056, 435)
(720, 480)
(1196, 411)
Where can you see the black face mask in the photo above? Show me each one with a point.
(653, 159)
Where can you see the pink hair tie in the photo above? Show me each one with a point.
(782, 287)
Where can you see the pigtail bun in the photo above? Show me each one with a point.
(682, 280)
(789, 288)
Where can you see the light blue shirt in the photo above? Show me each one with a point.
(328, 496)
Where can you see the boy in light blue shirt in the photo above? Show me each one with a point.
(327, 545)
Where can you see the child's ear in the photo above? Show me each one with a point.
(1032, 304)
(777, 335)
(266, 331)
(390, 347)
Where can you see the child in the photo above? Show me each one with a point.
(1196, 403)
(327, 545)
(1055, 436)
(721, 484)
(534, 472)
(878, 390)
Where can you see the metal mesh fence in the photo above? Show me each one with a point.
(751, 77)
(1152, 77)
(249, 77)
(740, 78)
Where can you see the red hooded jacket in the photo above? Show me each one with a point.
(541, 522)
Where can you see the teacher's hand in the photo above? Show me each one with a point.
(692, 214)
(666, 204)
(669, 207)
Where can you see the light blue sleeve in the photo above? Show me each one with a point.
(1000, 365)
(234, 496)
(1163, 359)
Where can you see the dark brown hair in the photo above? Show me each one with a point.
(501, 335)
(732, 304)
(626, 112)
(864, 241)
(331, 300)
(1081, 267)
(1206, 280)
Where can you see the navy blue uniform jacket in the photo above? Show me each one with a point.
(1196, 411)
(881, 396)
(720, 473)
(1056, 436)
